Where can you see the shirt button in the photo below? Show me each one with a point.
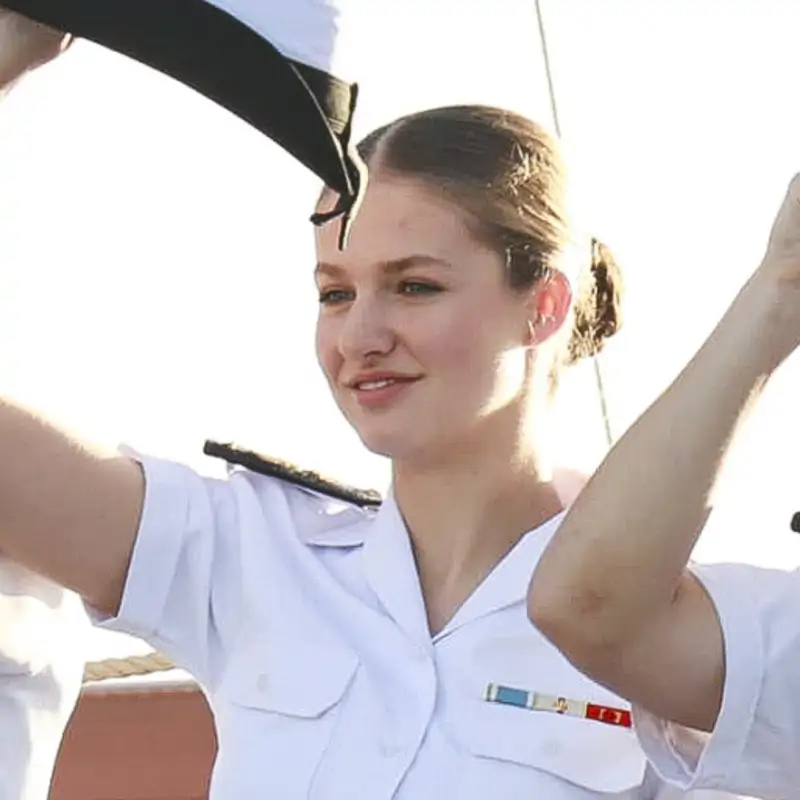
(389, 750)
(262, 682)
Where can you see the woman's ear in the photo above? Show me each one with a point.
(550, 304)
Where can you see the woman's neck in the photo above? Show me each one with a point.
(466, 509)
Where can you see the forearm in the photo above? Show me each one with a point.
(622, 549)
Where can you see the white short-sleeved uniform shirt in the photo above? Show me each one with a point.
(303, 620)
(755, 746)
(40, 678)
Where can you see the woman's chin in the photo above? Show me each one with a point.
(395, 443)
(387, 446)
(399, 436)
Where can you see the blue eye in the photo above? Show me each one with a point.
(335, 296)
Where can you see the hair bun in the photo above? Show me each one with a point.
(608, 290)
(598, 308)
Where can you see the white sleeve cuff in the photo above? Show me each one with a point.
(156, 551)
(692, 760)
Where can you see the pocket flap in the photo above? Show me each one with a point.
(601, 757)
(300, 679)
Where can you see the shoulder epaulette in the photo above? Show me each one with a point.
(284, 471)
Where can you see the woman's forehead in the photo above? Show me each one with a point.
(399, 217)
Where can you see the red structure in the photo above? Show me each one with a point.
(137, 741)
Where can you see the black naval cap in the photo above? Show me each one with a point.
(209, 46)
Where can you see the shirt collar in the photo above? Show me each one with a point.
(391, 570)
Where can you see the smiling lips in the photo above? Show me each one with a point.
(380, 389)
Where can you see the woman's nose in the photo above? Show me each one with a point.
(366, 330)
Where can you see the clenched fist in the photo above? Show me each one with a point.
(25, 45)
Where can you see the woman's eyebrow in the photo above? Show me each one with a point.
(396, 265)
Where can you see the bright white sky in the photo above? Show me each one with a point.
(151, 244)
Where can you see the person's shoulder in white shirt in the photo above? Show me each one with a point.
(40, 678)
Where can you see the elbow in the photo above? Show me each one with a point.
(575, 623)
(552, 615)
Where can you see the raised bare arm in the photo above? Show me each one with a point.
(612, 590)
(67, 511)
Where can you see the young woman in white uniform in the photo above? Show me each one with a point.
(377, 651)
(715, 649)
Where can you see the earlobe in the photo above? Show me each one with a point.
(538, 328)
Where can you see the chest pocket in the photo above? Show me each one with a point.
(605, 760)
(276, 713)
